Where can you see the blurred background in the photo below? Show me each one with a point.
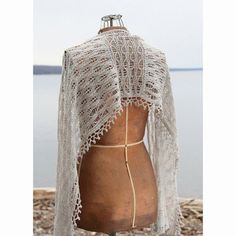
(174, 26)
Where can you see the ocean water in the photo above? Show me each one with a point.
(187, 91)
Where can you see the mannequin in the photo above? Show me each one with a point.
(117, 184)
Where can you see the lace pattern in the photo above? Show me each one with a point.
(96, 76)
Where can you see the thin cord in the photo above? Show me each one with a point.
(117, 145)
(127, 165)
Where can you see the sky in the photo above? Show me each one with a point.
(174, 26)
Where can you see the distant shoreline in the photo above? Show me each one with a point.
(49, 70)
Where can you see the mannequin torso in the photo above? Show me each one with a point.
(105, 185)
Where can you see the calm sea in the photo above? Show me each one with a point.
(187, 91)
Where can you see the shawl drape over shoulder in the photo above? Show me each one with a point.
(96, 76)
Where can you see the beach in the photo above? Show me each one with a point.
(43, 200)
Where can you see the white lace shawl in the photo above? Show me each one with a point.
(96, 75)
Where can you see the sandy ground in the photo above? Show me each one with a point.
(192, 211)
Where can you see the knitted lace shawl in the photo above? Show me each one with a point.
(96, 76)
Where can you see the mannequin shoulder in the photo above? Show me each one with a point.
(87, 47)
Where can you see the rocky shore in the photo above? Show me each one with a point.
(43, 204)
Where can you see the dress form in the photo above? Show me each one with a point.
(110, 202)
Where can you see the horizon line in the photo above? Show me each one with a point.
(56, 69)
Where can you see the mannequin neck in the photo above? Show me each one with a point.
(111, 28)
